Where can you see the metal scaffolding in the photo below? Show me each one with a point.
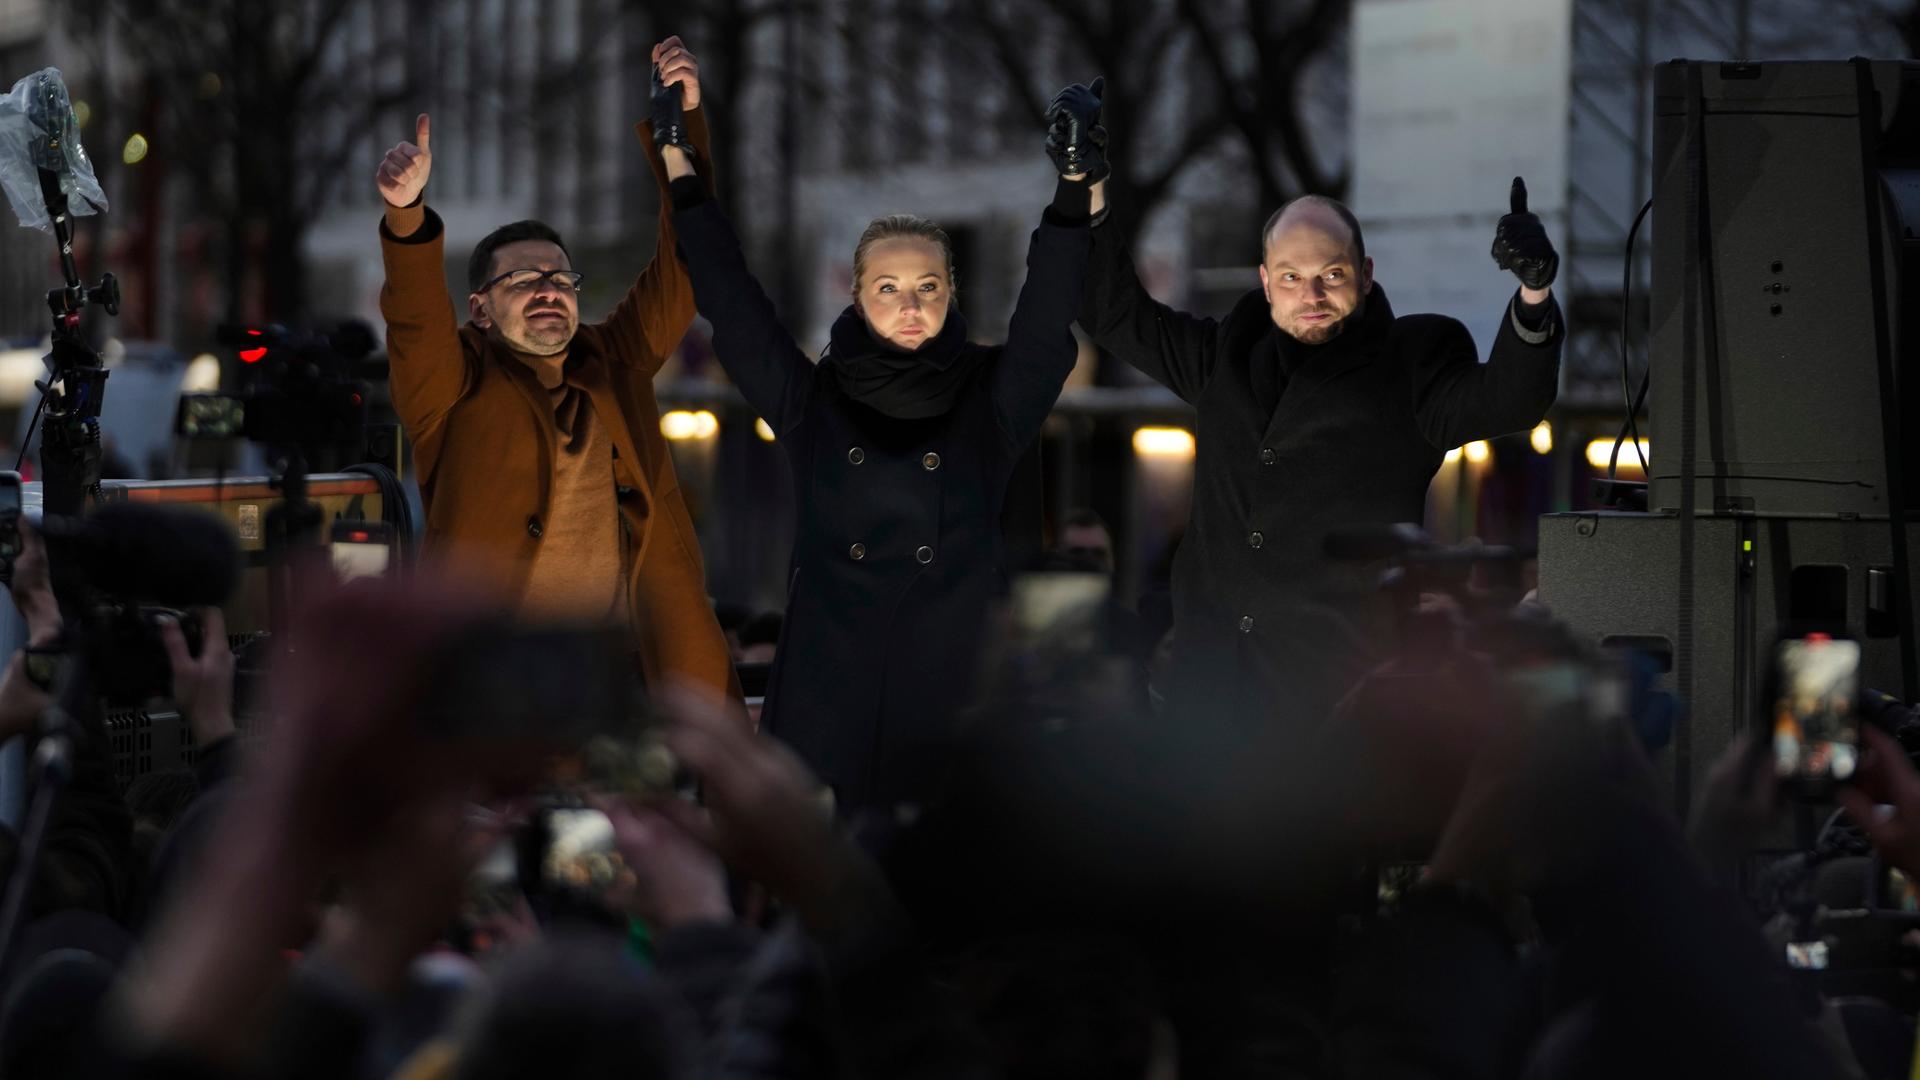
(1616, 44)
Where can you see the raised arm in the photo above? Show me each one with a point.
(757, 352)
(1458, 399)
(428, 370)
(1040, 351)
(1171, 347)
(648, 323)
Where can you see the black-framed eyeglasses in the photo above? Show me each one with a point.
(526, 280)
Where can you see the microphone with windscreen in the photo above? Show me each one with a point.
(149, 554)
(44, 169)
(48, 107)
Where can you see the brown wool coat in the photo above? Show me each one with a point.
(484, 437)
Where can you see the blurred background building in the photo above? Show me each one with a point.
(237, 140)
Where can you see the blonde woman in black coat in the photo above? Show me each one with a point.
(901, 438)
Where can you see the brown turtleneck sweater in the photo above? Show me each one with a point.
(577, 567)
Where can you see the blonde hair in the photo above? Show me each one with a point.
(895, 226)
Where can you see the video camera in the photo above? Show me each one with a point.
(304, 389)
(141, 564)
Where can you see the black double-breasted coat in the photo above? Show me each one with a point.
(896, 560)
(1361, 426)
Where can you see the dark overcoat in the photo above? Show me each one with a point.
(896, 557)
(1360, 428)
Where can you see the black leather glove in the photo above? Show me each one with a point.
(1520, 243)
(669, 125)
(1075, 140)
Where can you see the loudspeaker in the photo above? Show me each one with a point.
(1784, 259)
(1614, 578)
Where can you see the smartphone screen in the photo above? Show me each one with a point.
(1816, 730)
(580, 855)
(1056, 609)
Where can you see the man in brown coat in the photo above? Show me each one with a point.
(538, 440)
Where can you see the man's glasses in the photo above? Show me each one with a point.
(525, 281)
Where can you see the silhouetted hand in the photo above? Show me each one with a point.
(677, 879)
(1886, 779)
(1075, 140)
(764, 812)
(202, 685)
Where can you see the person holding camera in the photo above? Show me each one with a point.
(1319, 409)
(538, 436)
(901, 439)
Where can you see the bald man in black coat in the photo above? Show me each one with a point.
(1318, 409)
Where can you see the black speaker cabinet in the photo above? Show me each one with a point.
(1616, 579)
(1783, 263)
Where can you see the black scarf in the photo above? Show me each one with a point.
(1281, 355)
(904, 385)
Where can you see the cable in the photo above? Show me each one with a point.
(28, 439)
(1633, 401)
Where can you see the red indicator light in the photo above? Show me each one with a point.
(251, 332)
(359, 536)
(253, 356)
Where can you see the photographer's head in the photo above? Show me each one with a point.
(1084, 534)
(524, 290)
(575, 1004)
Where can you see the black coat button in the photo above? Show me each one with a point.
(857, 552)
(924, 554)
(856, 455)
(534, 528)
(1256, 540)
(1246, 624)
(930, 461)
(1266, 457)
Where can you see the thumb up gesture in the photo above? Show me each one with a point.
(1520, 243)
(403, 172)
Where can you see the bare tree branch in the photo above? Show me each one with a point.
(1200, 135)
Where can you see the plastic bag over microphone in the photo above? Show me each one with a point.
(38, 130)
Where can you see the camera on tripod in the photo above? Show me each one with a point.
(304, 389)
(141, 564)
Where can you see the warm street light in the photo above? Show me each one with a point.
(1167, 443)
(1599, 450)
(681, 425)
